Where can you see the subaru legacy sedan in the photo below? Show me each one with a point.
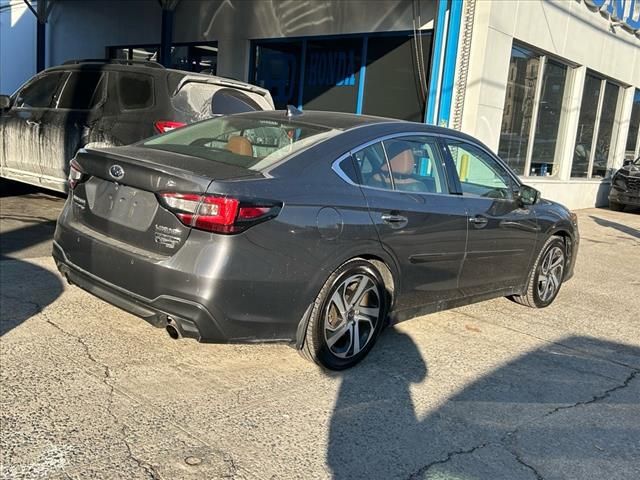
(317, 229)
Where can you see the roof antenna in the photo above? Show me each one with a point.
(293, 111)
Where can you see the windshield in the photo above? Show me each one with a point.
(247, 142)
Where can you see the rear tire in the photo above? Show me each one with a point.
(347, 316)
(615, 206)
(546, 276)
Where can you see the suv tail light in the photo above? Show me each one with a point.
(76, 174)
(164, 126)
(215, 213)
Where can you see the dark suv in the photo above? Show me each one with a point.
(625, 186)
(105, 103)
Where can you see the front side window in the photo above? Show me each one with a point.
(40, 94)
(480, 175)
(247, 142)
(406, 164)
(82, 90)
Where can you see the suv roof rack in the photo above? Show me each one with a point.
(119, 61)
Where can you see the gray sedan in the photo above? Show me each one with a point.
(316, 228)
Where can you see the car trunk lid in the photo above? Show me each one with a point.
(119, 197)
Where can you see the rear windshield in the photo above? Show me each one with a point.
(247, 142)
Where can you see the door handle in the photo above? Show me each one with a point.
(33, 123)
(478, 221)
(395, 220)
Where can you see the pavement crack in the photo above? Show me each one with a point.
(231, 464)
(597, 398)
(421, 471)
(519, 459)
(149, 469)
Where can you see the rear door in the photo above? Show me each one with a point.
(23, 129)
(74, 120)
(502, 232)
(136, 107)
(418, 221)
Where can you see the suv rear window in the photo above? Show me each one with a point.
(82, 90)
(136, 90)
(201, 100)
(243, 141)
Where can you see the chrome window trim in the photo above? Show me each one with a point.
(335, 166)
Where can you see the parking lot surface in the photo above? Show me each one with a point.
(489, 391)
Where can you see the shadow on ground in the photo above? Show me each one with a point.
(20, 300)
(634, 232)
(552, 412)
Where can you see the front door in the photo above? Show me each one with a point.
(24, 130)
(502, 231)
(418, 221)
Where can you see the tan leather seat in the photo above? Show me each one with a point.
(240, 146)
(402, 167)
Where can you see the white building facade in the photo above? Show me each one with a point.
(552, 86)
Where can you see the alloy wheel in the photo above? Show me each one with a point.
(351, 316)
(551, 274)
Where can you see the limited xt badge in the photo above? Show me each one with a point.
(167, 236)
(116, 171)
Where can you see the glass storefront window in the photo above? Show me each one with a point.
(332, 75)
(392, 82)
(324, 73)
(605, 129)
(518, 108)
(543, 157)
(633, 142)
(278, 70)
(191, 57)
(586, 126)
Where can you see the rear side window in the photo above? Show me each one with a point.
(82, 90)
(39, 94)
(136, 90)
(404, 164)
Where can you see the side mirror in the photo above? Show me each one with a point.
(5, 102)
(627, 162)
(528, 195)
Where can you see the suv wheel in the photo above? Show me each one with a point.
(545, 278)
(347, 316)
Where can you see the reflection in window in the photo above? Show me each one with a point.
(518, 108)
(277, 69)
(634, 125)
(548, 122)
(586, 126)
(605, 129)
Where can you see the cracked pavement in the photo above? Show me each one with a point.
(489, 391)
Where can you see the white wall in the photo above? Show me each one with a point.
(17, 46)
(564, 28)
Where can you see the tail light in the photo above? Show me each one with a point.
(76, 174)
(164, 126)
(215, 213)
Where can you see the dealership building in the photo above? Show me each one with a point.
(552, 86)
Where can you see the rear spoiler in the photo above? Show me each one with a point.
(213, 80)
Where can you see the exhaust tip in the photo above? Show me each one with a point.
(173, 332)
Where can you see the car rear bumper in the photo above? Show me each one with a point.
(191, 319)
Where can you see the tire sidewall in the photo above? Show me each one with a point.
(554, 242)
(324, 354)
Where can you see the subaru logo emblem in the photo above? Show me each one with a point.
(116, 171)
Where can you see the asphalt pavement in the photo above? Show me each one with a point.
(489, 391)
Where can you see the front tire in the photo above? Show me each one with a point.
(347, 316)
(546, 276)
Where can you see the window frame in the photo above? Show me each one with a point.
(36, 79)
(451, 175)
(543, 58)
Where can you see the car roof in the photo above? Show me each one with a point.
(331, 120)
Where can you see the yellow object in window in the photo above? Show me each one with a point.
(464, 167)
